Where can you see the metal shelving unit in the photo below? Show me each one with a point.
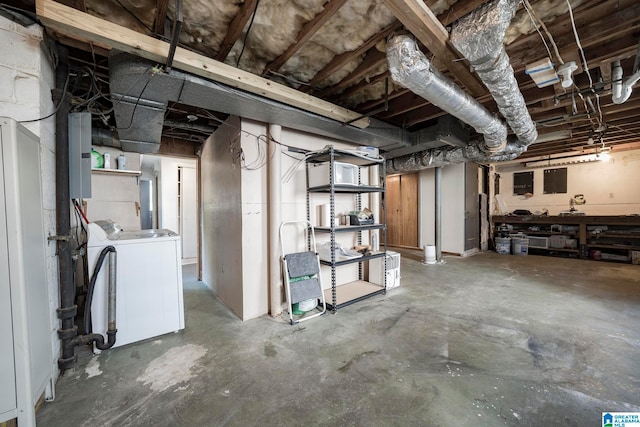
(342, 295)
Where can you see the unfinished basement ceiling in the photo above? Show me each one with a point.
(335, 50)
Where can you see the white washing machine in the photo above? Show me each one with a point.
(149, 300)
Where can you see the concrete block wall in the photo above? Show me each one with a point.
(27, 75)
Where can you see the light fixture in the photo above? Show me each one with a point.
(553, 136)
(605, 153)
(563, 161)
(566, 71)
(590, 140)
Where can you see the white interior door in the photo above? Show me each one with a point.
(188, 203)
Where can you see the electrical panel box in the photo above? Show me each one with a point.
(80, 155)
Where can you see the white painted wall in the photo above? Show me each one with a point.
(114, 196)
(235, 213)
(452, 208)
(222, 256)
(610, 188)
(27, 77)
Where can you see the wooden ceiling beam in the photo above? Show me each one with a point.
(594, 38)
(341, 60)
(373, 104)
(236, 26)
(162, 6)
(306, 32)
(426, 27)
(458, 10)
(372, 60)
(79, 24)
(363, 84)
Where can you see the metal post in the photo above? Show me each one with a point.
(438, 214)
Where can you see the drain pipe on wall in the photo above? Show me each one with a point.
(622, 91)
(274, 182)
(68, 331)
(67, 310)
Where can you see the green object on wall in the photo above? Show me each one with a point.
(97, 161)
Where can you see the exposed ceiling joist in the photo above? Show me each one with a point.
(373, 59)
(161, 16)
(364, 83)
(426, 27)
(306, 32)
(68, 20)
(341, 60)
(235, 28)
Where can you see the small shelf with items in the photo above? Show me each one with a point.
(123, 172)
(333, 172)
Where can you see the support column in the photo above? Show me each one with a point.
(275, 218)
(438, 214)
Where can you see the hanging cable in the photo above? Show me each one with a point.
(544, 27)
(246, 35)
(55, 110)
(537, 27)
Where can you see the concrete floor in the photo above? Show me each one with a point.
(487, 340)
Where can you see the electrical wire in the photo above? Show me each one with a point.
(544, 27)
(575, 33)
(135, 17)
(537, 27)
(584, 62)
(55, 110)
(246, 35)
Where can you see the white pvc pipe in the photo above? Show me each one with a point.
(274, 191)
(622, 91)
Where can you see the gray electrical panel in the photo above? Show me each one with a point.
(80, 155)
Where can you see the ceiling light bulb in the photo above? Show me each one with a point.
(565, 71)
(590, 140)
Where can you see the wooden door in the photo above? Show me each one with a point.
(394, 217)
(402, 210)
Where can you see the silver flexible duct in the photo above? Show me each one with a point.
(410, 68)
(449, 155)
(479, 37)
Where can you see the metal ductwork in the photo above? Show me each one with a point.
(448, 131)
(141, 91)
(479, 37)
(409, 67)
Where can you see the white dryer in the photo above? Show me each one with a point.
(149, 300)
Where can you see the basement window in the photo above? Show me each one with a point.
(522, 183)
(555, 181)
